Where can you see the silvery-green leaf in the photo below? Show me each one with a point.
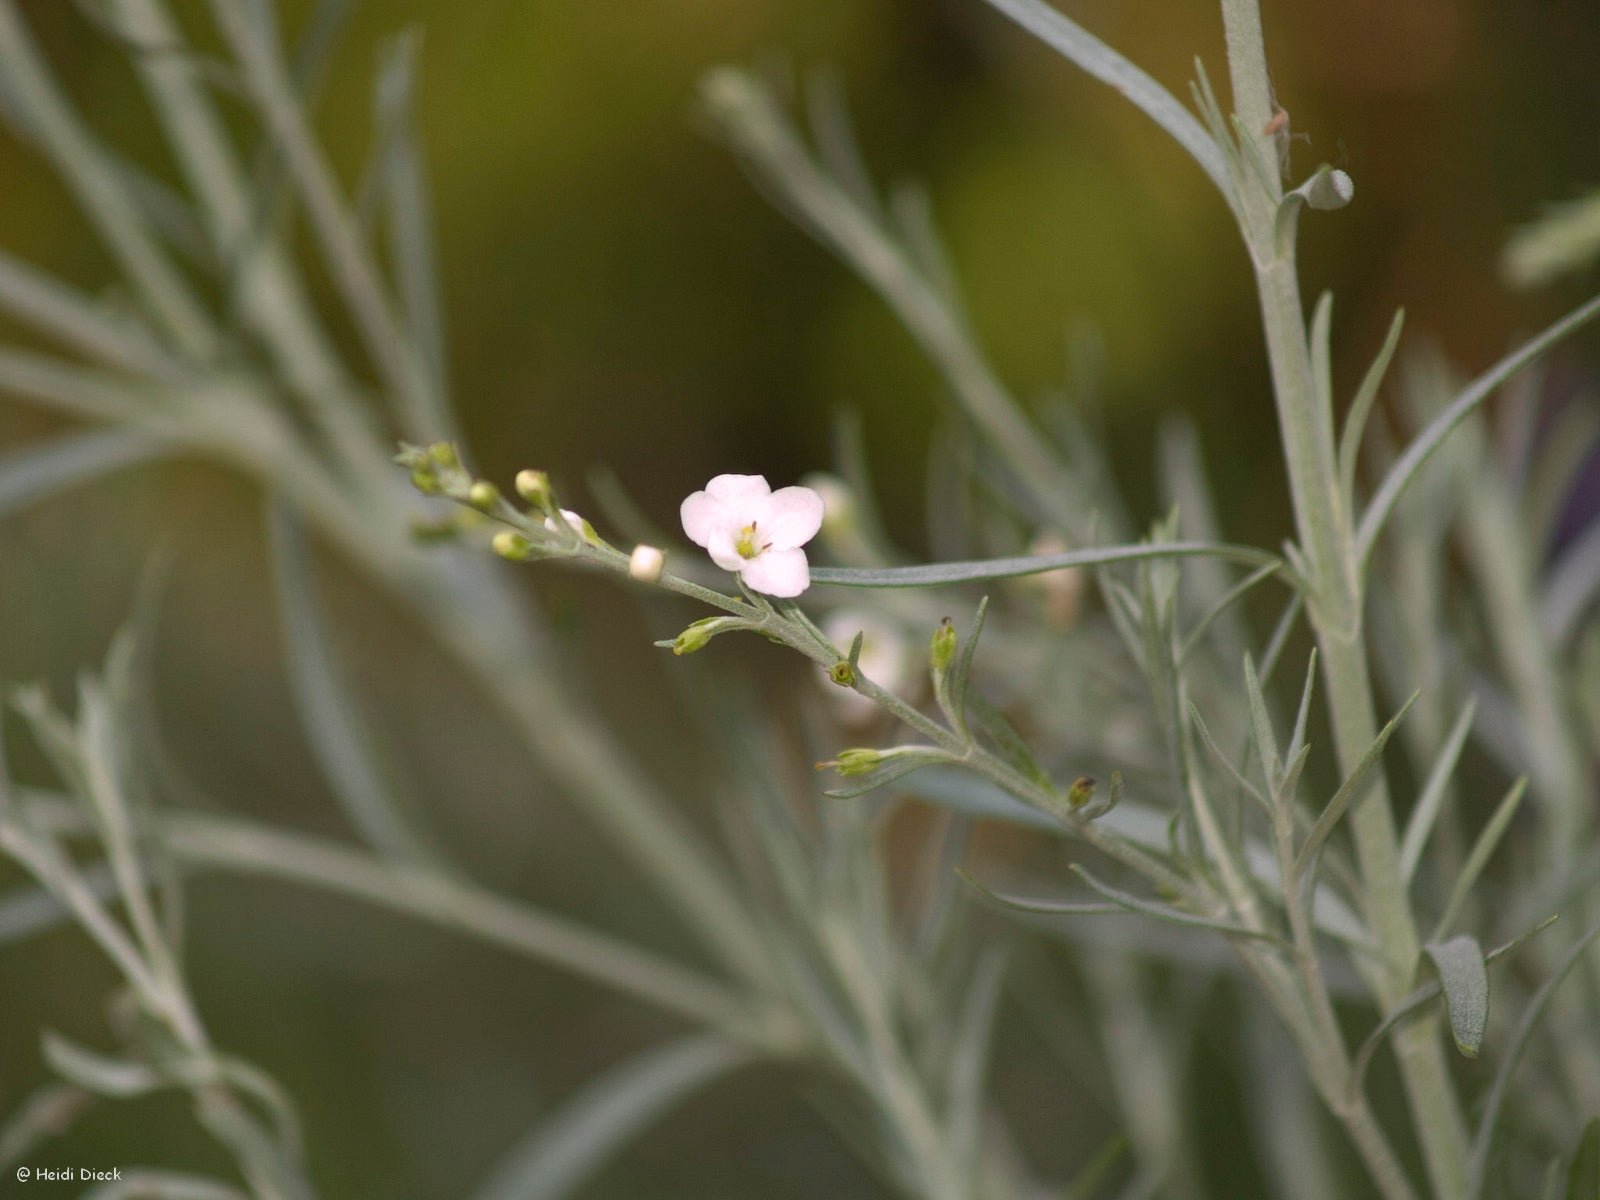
(1478, 857)
(1351, 791)
(1099, 60)
(1355, 421)
(940, 574)
(1426, 444)
(27, 476)
(1431, 799)
(1466, 989)
(328, 713)
(102, 1074)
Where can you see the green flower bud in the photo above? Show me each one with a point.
(534, 487)
(855, 761)
(444, 453)
(1081, 790)
(426, 482)
(942, 650)
(702, 631)
(483, 495)
(511, 546)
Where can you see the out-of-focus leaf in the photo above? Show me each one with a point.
(47, 1113)
(98, 1073)
(969, 1061)
(1563, 240)
(1426, 812)
(28, 476)
(1478, 856)
(1465, 980)
(595, 1124)
(328, 713)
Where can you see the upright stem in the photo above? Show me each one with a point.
(1335, 606)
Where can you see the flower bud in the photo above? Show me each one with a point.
(444, 453)
(511, 546)
(855, 761)
(645, 563)
(942, 649)
(702, 631)
(426, 482)
(534, 487)
(1081, 790)
(483, 495)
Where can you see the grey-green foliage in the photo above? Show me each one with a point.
(1123, 729)
(134, 916)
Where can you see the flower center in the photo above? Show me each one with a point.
(746, 543)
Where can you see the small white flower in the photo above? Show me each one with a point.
(750, 529)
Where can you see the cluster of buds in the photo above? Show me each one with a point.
(544, 529)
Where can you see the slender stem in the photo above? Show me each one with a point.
(1305, 423)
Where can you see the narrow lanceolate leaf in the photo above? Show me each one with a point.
(1261, 725)
(1465, 980)
(1478, 857)
(1355, 421)
(1426, 444)
(1426, 812)
(939, 574)
(1042, 905)
(594, 1125)
(1350, 792)
(961, 673)
(1096, 58)
(28, 476)
(1172, 916)
(1005, 740)
(328, 714)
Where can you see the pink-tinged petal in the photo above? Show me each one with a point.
(781, 573)
(723, 549)
(739, 492)
(702, 515)
(790, 518)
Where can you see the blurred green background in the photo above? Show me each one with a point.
(616, 293)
